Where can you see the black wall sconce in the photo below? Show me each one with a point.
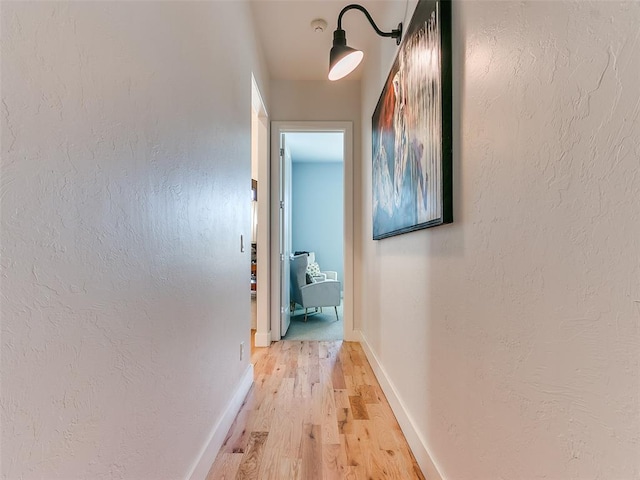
(343, 59)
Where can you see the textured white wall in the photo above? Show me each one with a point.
(512, 335)
(299, 100)
(125, 179)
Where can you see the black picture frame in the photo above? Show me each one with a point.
(412, 143)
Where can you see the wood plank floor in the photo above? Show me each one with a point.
(315, 411)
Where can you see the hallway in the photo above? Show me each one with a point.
(507, 341)
(315, 411)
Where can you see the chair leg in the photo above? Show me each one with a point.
(337, 319)
(305, 314)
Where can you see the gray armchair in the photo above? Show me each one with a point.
(313, 295)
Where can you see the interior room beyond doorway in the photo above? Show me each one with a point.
(317, 225)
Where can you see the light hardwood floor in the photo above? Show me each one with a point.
(315, 411)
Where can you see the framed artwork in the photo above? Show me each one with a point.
(412, 129)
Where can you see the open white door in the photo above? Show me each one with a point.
(285, 235)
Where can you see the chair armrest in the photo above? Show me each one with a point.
(331, 275)
(321, 278)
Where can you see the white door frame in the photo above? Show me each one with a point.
(329, 126)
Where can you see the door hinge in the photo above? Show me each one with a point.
(281, 203)
(282, 152)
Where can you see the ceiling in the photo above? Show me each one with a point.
(294, 51)
(315, 146)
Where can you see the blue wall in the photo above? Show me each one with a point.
(317, 213)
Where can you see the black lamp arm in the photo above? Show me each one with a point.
(397, 33)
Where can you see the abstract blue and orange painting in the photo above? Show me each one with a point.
(412, 130)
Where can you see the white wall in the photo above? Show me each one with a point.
(292, 100)
(125, 178)
(511, 336)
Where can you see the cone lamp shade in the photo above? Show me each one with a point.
(343, 61)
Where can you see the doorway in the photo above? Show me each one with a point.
(260, 224)
(317, 228)
(282, 241)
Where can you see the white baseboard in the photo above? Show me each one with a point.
(263, 339)
(414, 439)
(352, 336)
(211, 448)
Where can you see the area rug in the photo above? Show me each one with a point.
(320, 326)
